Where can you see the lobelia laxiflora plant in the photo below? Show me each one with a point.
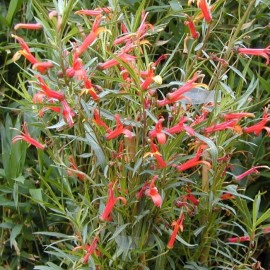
(123, 129)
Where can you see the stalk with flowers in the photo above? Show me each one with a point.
(142, 170)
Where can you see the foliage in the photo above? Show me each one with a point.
(144, 142)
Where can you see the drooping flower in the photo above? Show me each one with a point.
(238, 116)
(239, 239)
(191, 26)
(49, 92)
(158, 132)
(180, 126)
(90, 249)
(89, 89)
(203, 6)
(77, 70)
(157, 155)
(42, 67)
(122, 56)
(88, 41)
(259, 52)
(193, 162)
(260, 126)
(29, 26)
(97, 120)
(119, 129)
(152, 191)
(229, 124)
(93, 12)
(25, 136)
(250, 171)
(111, 201)
(178, 94)
(177, 225)
(67, 113)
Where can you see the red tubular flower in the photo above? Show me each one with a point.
(203, 6)
(158, 133)
(259, 52)
(180, 127)
(118, 130)
(193, 162)
(90, 249)
(250, 171)
(93, 12)
(226, 196)
(230, 124)
(114, 62)
(29, 26)
(49, 92)
(178, 94)
(156, 154)
(259, 127)
(77, 70)
(178, 225)
(190, 197)
(67, 113)
(230, 116)
(73, 166)
(97, 120)
(25, 136)
(238, 239)
(89, 89)
(96, 30)
(111, 201)
(152, 191)
(191, 26)
(42, 67)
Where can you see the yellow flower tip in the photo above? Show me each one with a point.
(158, 79)
(16, 56)
(103, 29)
(203, 85)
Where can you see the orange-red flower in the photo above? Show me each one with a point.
(191, 26)
(152, 191)
(157, 155)
(93, 12)
(193, 162)
(90, 249)
(29, 26)
(203, 6)
(42, 67)
(259, 52)
(230, 124)
(239, 239)
(119, 129)
(49, 92)
(77, 70)
(178, 225)
(179, 93)
(111, 201)
(88, 41)
(158, 132)
(67, 113)
(180, 126)
(25, 136)
(250, 171)
(260, 126)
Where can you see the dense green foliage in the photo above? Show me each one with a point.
(130, 140)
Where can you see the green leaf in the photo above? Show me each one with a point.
(13, 7)
(16, 230)
(118, 231)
